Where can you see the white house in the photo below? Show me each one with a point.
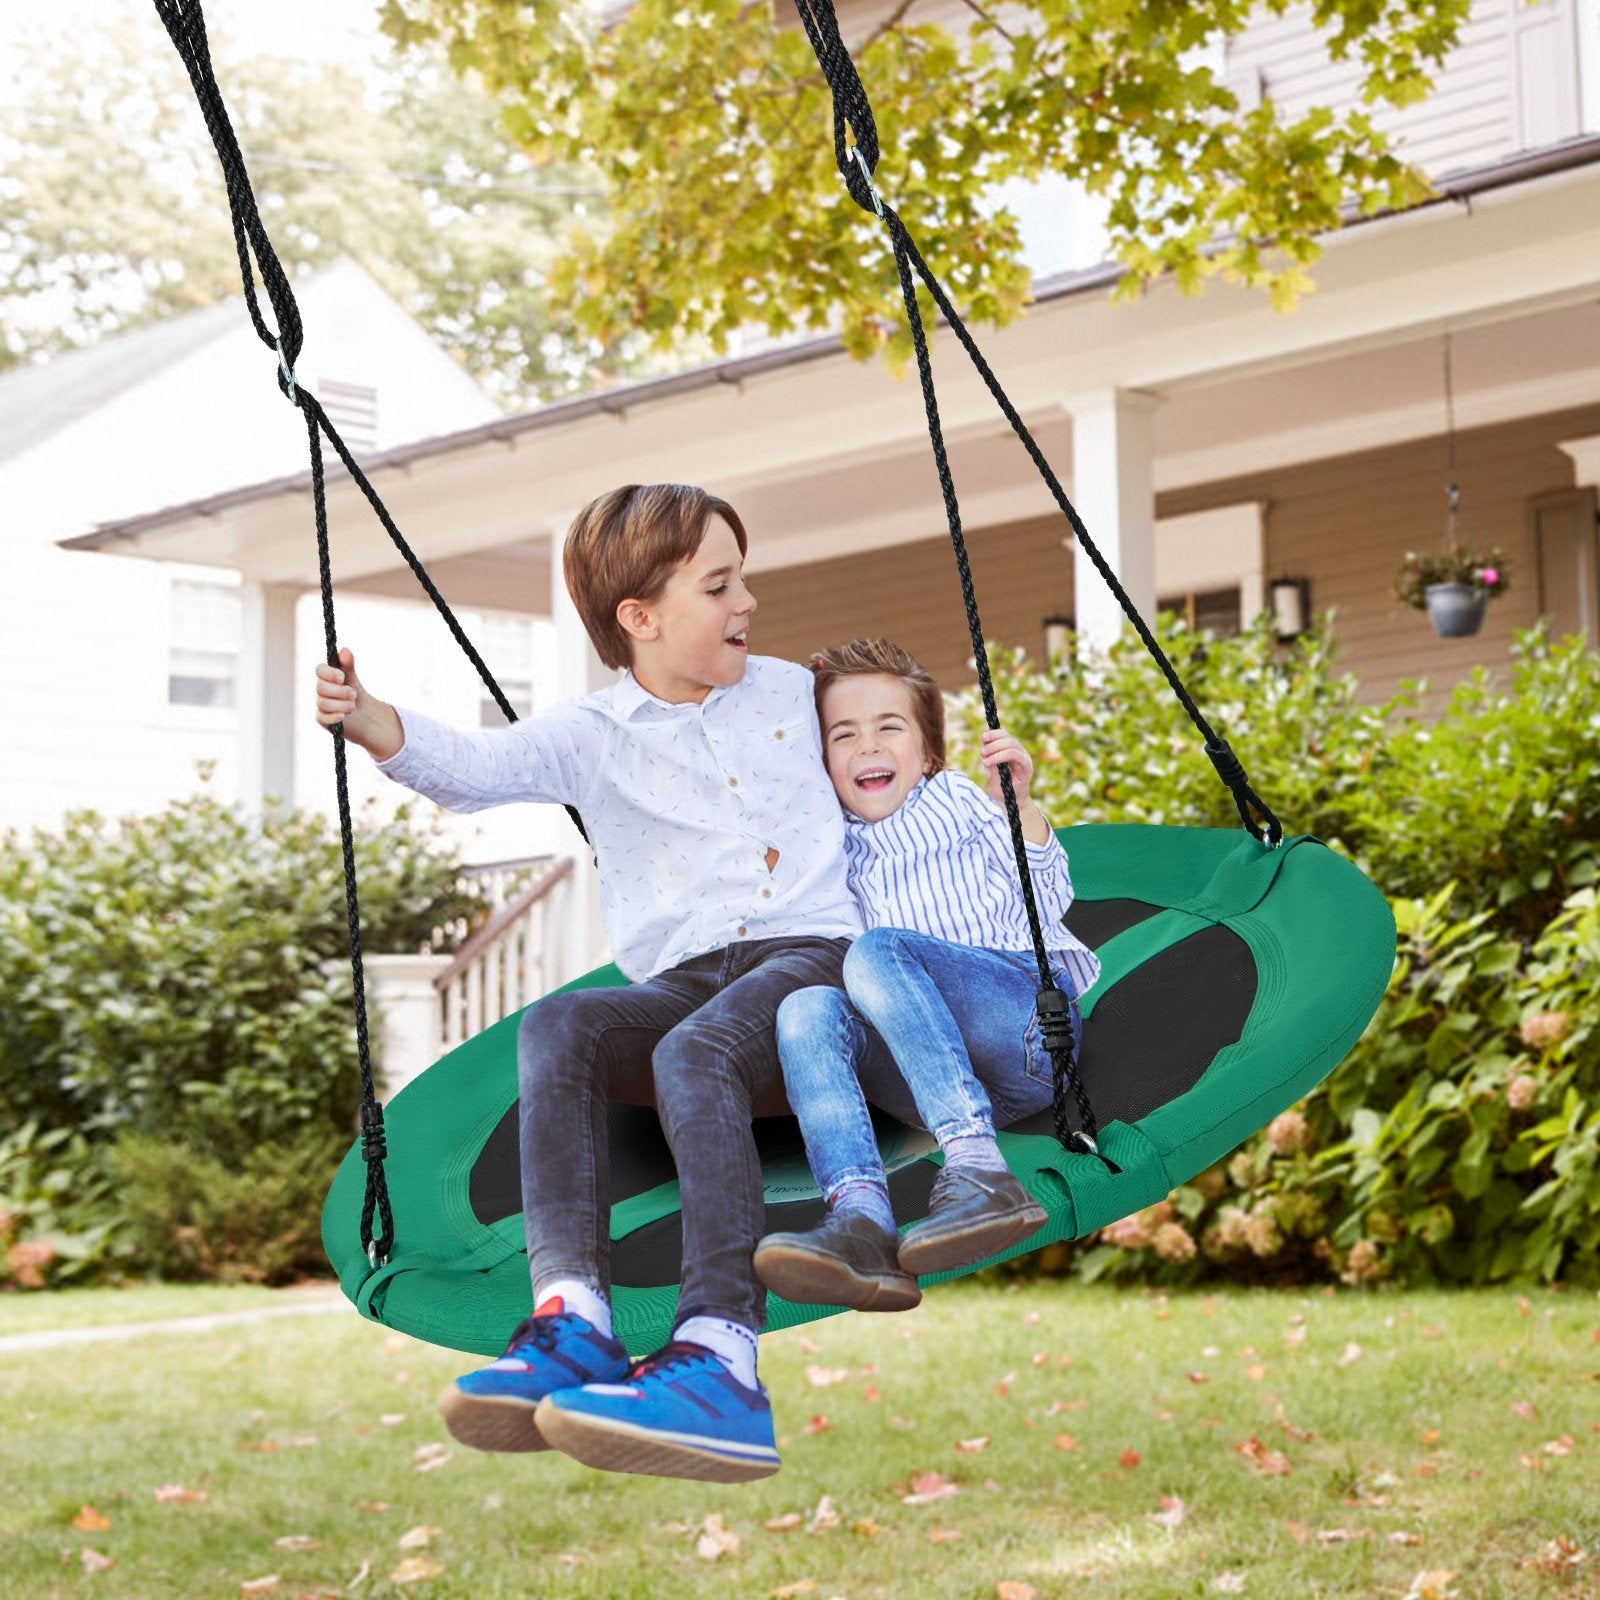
(122, 680)
(1211, 445)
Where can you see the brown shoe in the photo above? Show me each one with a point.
(849, 1260)
(972, 1214)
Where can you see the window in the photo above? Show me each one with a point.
(203, 649)
(1215, 611)
(505, 642)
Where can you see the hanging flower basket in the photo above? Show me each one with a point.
(1453, 587)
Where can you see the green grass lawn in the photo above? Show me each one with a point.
(1063, 1441)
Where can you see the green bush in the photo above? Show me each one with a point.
(58, 1221)
(1459, 1140)
(186, 975)
(189, 1215)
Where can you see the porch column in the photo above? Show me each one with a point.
(266, 696)
(1113, 487)
(581, 936)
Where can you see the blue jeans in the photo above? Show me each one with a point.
(939, 1035)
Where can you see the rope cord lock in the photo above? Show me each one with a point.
(1055, 1019)
(286, 375)
(866, 173)
(374, 1260)
(373, 1147)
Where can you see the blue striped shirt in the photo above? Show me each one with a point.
(943, 864)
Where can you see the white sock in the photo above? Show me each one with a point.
(583, 1298)
(734, 1343)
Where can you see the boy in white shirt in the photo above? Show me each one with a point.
(700, 781)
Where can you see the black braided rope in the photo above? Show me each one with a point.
(852, 114)
(184, 21)
(372, 1144)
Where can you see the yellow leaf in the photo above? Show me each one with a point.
(418, 1538)
(415, 1568)
(89, 1520)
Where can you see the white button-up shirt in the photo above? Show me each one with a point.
(682, 804)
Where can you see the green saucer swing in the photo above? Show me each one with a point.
(1235, 976)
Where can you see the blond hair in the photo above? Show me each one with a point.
(878, 656)
(626, 545)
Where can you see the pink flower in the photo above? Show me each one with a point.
(1488, 576)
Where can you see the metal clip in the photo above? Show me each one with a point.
(286, 374)
(374, 1260)
(866, 172)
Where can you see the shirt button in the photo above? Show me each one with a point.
(778, 734)
(733, 783)
(766, 894)
(741, 933)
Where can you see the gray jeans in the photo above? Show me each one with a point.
(698, 1043)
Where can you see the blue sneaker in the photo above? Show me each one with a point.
(677, 1414)
(493, 1408)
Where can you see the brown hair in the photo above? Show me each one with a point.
(863, 656)
(625, 545)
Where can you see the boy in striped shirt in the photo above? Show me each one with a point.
(936, 1022)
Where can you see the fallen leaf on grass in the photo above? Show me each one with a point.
(807, 1346)
(1171, 1514)
(1351, 1352)
(1065, 1441)
(1433, 1584)
(392, 1419)
(972, 1447)
(1255, 1372)
(927, 1487)
(418, 1538)
(787, 1523)
(1557, 1556)
(360, 1577)
(825, 1377)
(818, 1424)
(1011, 1589)
(800, 1586)
(867, 1527)
(716, 1539)
(429, 1456)
(943, 1535)
(1402, 1536)
(1558, 1447)
(1129, 1458)
(1264, 1462)
(1229, 1582)
(1341, 1535)
(824, 1516)
(377, 1507)
(297, 1542)
(415, 1568)
(178, 1495)
(94, 1561)
(1525, 1408)
(871, 1394)
(88, 1520)
(252, 1587)
(1198, 1377)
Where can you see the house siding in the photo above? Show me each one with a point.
(1343, 523)
(1510, 84)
